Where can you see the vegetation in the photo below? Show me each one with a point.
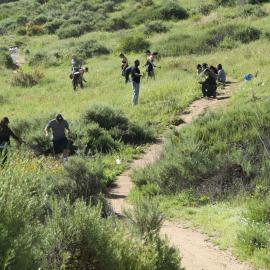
(214, 172)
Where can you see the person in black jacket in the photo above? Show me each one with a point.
(209, 85)
(5, 134)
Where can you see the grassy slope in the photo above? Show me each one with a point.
(173, 90)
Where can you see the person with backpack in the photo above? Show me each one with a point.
(135, 80)
(59, 126)
(209, 85)
(5, 134)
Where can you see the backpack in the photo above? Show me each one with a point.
(127, 73)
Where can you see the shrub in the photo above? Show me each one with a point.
(171, 10)
(22, 20)
(40, 144)
(117, 24)
(107, 117)
(71, 31)
(40, 58)
(204, 42)
(41, 19)
(24, 79)
(5, 58)
(53, 26)
(90, 48)
(155, 27)
(136, 134)
(251, 10)
(84, 180)
(78, 238)
(99, 140)
(258, 210)
(253, 237)
(34, 30)
(146, 217)
(134, 43)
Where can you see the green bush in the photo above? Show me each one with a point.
(155, 27)
(27, 79)
(84, 180)
(22, 20)
(207, 41)
(117, 24)
(171, 10)
(107, 117)
(39, 143)
(78, 238)
(146, 218)
(134, 43)
(41, 19)
(53, 26)
(258, 210)
(68, 32)
(99, 140)
(252, 238)
(5, 58)
(90, 48)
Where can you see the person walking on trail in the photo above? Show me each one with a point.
(221, 77)
(5, 134)
(135, 80)
(59, 126)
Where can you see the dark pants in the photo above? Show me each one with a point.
(3, 151)
(209, 90)
(60, 145)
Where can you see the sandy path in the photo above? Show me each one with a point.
(197, 252)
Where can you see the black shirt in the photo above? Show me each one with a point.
(6, 133)
(134, 77)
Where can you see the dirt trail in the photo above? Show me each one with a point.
(197, 252)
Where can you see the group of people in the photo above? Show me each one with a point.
(77, 73)
(57, 126)
(135, 73)
(209, 77)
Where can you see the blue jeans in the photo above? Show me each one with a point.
(136, 91)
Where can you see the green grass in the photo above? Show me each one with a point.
(43, 180)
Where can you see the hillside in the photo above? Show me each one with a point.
(214, 172)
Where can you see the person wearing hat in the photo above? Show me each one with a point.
(58, 126)
(5, 134)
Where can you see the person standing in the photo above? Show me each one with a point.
(5, 134)
(58, 126)
(135, 80)
(124, 65)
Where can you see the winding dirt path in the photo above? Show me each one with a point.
(197, 252)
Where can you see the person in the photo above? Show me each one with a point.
(135, 80)
(5, 134)
(124, 65)
(75, 63)
(82, 79)
(221, 77)
(214, 72)
(58, 126)
(209, 85)
(150, 68)
(199, 69)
